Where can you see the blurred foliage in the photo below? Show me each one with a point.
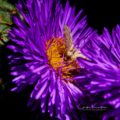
(6, 10)
(2, 85)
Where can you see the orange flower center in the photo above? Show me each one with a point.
(56, 52)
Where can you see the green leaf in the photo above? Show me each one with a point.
(6, 10)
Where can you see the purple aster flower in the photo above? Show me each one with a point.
(105, 68)
(46, 40)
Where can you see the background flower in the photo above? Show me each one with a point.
(105, 70)
(35, 37)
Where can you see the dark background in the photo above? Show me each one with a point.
(100, 14)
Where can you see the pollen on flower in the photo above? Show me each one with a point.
(56, 52)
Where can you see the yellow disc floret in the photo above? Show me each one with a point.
(56, 52)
